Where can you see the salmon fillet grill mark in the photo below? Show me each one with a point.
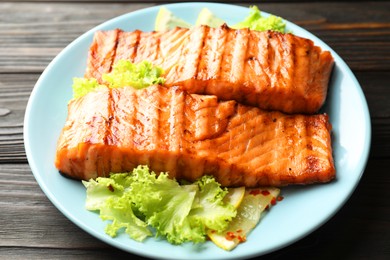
(269, 70)
(190, 135)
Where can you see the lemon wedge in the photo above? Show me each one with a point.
(166, 20)
(206, 17)
(235, 196)
(254, 202)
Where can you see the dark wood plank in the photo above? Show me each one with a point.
(380, 147)
(22, 197)
(103, 253)
(376, 91)
(15, 90)
(37, 32)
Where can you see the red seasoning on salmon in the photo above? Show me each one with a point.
(269, 70)
(190, 135)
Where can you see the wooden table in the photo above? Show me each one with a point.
(33, 32)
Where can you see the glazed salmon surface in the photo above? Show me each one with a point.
(190, 135)
(269, 70)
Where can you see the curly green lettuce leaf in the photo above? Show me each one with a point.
(209, 209)
(255, 21)
(165, 205)
(119, 211)
(108, 195)
(124, 74)
(82, 86)
(141, 199)
(99, 190)
(181, 213)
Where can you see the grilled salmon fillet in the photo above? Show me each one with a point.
(190, 135)
(269, 70)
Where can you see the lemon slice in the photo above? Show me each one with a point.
(206, 17)
(235, 196)
(166, 20)
(255, 201)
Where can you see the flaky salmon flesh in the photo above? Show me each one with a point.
(269, 70)
(190, 135)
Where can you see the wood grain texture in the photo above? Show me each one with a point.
(36, 32)
(32, 33)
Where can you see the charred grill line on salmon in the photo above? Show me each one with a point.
(269, 70)
(190, 135)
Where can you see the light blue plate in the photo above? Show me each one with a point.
(303, 210)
